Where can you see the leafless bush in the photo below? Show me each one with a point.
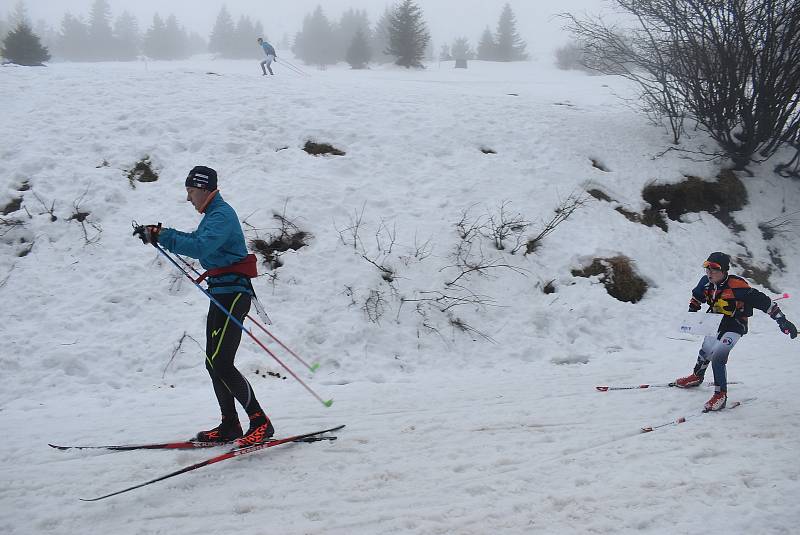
(83, 218)
(778, 226)
(50, 210)
(287, 236)
(730, 66)
(177, 350)
(565, 209)
(374, 306)
(503, 226)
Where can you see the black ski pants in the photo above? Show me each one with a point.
(222, 341)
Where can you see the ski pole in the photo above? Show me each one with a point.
(238, 323)
(312, 368)
(783, 296)
(294, 67)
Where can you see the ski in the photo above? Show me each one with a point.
(657, 385)
(683, 419)
(177, 445)
(236, 452)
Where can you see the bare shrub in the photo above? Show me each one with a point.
(565, 209)
(729, 66)
(288, 237)
(618, 277)
(82, 217)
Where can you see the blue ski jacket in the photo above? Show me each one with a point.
(268, 50)
(217, 242)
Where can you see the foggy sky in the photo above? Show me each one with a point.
(447, 19)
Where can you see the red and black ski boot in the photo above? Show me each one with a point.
(229, 430)
(260, 430)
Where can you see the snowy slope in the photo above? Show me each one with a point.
(447, 432)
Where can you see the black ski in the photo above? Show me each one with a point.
(236, 452)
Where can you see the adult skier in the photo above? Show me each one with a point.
(733, 298)
(219, 244)
(269, 51)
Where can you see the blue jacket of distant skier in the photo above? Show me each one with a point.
(268, 50)
(217, 242)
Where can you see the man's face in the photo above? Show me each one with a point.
(715, 275)
(197, 197)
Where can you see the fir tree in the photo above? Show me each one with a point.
(408, 35)
(510, 46)
(351, 22)
(175, 45)
(100, 35)
(316, 44)
(461, 49)
(126, 33)
(380, 38)
(359, 53)
(244, 39)
(73, 41)
(22, 46)
(487, 48)
(223, 33)
(154, 39)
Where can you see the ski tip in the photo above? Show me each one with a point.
(602, 388)
(328, 403)
(314, 367)
(59, 447)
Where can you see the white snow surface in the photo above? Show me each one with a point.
(447, 431)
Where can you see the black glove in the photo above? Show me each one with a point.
(147, 233)
(787, 327)
(694, 305)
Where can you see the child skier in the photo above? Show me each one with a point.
(733, 298)
(271, 56)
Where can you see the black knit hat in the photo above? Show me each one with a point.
(719, 261)
(202, 177)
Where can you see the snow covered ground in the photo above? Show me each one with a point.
(447, 431)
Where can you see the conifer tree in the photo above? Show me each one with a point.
(223, 34)
(352, 21)
(73, 41)
(487, 48)
(359, 53)
(461, 49)
(22, 46)
(510, 46)
(316, 44)
(103, 44)
(380, 38)
(126, 33)
(153, 44)
(408, 35)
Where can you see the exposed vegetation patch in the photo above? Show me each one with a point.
(142, 172)
(317, 149)
(12, 206)
(618, 276)
(486, 150)
(719, 198)
(756, 274)
(549, 287)
(288, 237)
(649, 219)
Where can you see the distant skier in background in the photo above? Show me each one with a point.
(271, 56)
(219, 244)
(733, 298)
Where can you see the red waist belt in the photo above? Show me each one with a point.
(246, 268)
